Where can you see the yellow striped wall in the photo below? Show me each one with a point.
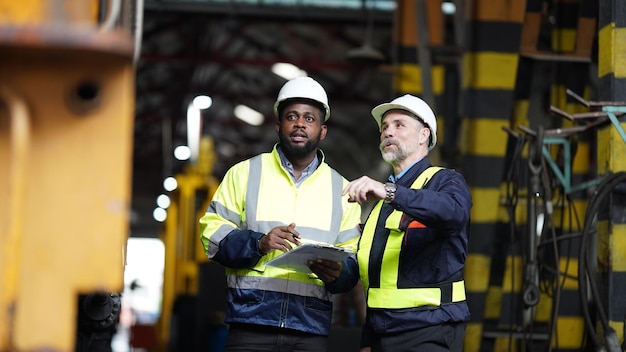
(612, 153)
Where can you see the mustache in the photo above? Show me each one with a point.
(388, 141)
(298, 134)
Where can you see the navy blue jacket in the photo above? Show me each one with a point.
(433, 255)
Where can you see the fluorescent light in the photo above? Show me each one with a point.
(288, 71)
(448, 8)
(163, 201)
(249, 115)
(202, 102)
(182, 152)
(159, 214)
(170, 184)
(194, 129)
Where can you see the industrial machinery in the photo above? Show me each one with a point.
(188, 273)
(66, 124)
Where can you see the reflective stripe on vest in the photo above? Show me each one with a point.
(325, 230)
(267, 188)
(388, 295)
(296, 286)
(399, 298)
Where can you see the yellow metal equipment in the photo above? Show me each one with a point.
(181, 237)
(66, 126)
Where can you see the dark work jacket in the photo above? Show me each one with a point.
(430, 255)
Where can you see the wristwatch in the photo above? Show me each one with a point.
(390, 187)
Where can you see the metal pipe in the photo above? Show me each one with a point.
(424, 52)
(11, 245)
(138, 30)
(112, 15)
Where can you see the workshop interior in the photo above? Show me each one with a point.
(118, 119)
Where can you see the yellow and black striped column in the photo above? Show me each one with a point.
(506, 266)
(612, 157)
(550, 64)
(490, 71)
(559, 307)
(410, 77)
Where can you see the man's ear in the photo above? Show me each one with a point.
(425, 133)
(323, 131)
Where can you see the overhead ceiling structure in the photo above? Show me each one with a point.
(226, 50)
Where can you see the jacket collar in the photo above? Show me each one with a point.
(414, 171)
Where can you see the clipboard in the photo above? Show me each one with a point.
(296, 258)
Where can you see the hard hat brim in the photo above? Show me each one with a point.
(321, 105)
(379, 111)
(304, 88)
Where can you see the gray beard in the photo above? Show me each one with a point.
(393, 158)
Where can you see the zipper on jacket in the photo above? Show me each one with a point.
(283, 309)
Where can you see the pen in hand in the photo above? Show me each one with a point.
(282, 238)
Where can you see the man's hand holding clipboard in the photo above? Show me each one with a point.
(319, 258)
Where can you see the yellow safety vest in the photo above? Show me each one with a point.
(258, 194)
(389, 295)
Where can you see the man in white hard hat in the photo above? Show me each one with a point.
(268, 204)
(414, 243)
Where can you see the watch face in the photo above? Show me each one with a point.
(390, 188)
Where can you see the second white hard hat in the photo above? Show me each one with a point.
(414, 105)
(303, 87)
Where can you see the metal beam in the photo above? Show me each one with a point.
(299, 13)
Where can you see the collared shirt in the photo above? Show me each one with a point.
(306, 172)
(394, 179)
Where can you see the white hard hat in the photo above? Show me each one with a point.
(303, 87)
(414, 105)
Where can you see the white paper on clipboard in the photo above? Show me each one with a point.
(297, 258)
